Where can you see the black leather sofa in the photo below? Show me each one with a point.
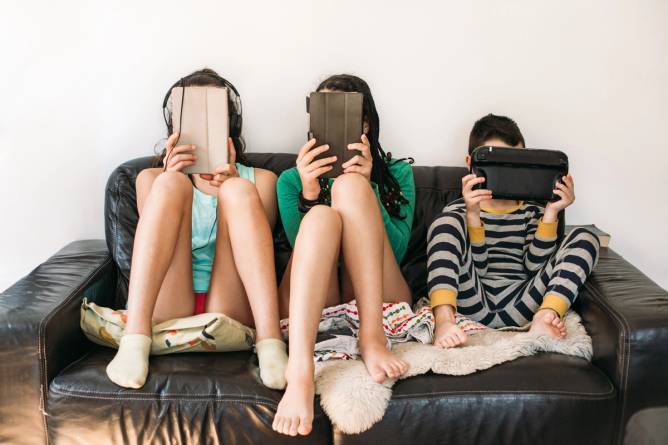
(53, 386)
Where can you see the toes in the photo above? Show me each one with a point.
(285, 426)
(389, 370)
(294, 425)
(278, 424)
(378, 376)
(462, 337)
(305, 426)
(401, 367)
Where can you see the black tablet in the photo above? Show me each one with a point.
(519, 173)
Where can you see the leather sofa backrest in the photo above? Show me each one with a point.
(435, 187)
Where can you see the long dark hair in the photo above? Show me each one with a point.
(204, 78)
(390, 191)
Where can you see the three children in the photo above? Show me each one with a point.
(495, 261)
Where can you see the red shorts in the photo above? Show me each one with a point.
(200, 302)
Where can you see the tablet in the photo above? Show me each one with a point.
(519, 173)
(335, 119)
(200, 114)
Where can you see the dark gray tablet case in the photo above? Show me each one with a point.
(335, 119)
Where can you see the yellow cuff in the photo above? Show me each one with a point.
(443, 296)
(476, 234)
(547, 230)
(558, 304)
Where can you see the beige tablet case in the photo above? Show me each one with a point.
(205, 123)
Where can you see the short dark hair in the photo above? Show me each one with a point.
(495, 127)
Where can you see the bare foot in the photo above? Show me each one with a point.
(379, 361)
(547, 322)
(446, 332)
(294, 414)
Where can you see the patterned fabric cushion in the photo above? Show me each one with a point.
(209, 332)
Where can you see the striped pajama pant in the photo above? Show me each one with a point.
(503, 299)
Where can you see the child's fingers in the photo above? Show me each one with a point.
(181, 165)
(321, 171)
(171, 140)
(307, 158)
(363, 148)
(183, 149)
(221, 169)
(473, 181)
(231, 151)
(320, 163)
(353, 169)
(466, 178)
(305, 149)
(559, 193)
(479, 192)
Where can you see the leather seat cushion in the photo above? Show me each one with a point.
(216, 397)
(188, 398)
(546, 398)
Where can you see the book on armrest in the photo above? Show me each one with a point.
(603, 237)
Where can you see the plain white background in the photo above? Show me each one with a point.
(82, 84)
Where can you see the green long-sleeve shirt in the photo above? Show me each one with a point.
(398, 230)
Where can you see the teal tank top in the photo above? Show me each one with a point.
(204, 226)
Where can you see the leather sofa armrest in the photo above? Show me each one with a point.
(626, 315)
(40, 333)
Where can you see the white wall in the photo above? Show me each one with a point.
(82, 84)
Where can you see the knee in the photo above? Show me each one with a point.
(581, 238)
(237, 191)
(147, 176)
(348, 185)
(321, 218)
(580, 234)
(172, 184)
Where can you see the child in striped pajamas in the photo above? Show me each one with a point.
(498, 261)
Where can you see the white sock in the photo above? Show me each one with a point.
(273, 357)
(129, 367)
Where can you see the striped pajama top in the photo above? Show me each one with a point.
(510, 247)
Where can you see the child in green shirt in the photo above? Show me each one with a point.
(362, 220)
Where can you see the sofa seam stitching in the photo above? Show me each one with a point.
(625, 346)
(41, 345)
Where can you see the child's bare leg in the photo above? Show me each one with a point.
(315, 253)
(245, 253)
(333, 293)
(161, 270)
(446, 332)
(363, 250)
(243, 283)
(161, 260)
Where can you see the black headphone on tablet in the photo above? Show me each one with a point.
(232, 96)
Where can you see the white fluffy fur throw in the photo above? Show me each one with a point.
(354, 402)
